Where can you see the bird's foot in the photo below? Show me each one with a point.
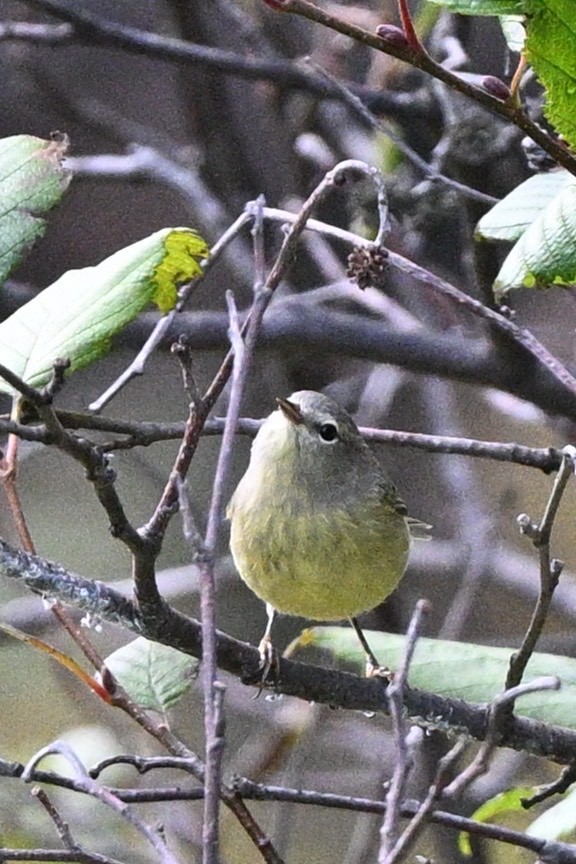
(268, 672)
(375, 670)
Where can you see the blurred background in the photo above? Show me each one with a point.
(191, 142)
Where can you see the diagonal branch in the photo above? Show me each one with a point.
(421, 60)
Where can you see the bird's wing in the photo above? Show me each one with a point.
(418, 530)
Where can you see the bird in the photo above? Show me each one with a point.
(318, 529)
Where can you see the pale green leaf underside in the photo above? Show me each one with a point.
(545, 254)
(551, 49)
(155, 676)
(32, 181)
(511, 216)
(483, 7)
(76, 317)
(461, 670)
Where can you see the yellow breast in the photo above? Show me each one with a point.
(324, 565)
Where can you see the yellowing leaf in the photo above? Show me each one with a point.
(184, 250)
(76, 317)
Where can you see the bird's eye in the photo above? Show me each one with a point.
(328, 431)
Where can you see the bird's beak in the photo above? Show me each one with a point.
(291, 411)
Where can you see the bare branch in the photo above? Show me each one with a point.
(550, 571)
(421, 60)
(62, 827)
(396, 694)
(312, 683)
(91, 787)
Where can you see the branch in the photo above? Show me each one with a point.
(430, 172)
(305, 327)
(550, 570)
(403, 763)
(421, 60)
(565, 852)
(313, 683)
(41, 34)
(517, 334)
(145, 433)
(91, 787)
(90, 29)
(249, 790)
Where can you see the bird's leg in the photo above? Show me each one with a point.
(373, 668)
(265, 647)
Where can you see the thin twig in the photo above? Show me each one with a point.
(91, 787)
(144, 433)
(41, 34)
(262, 792)
(395, 694)
(182, 351)
(557, 787)
(137, 365)
(215, 746)
(547, 459)
(61, 826)
(243, 351)
(549, 569)
(430, 172)
(517, 334)
(425, 808)
(51, 855)
(419, 59)
(497, 714)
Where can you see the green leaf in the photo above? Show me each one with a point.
(511, 216)
(483, 7)
(155, 676)
(461, 670)
(551, 49)
(545, 254)
(506, 802)
(32, 180)
(558, 822)
(77, 315)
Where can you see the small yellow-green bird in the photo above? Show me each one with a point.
(317, 527)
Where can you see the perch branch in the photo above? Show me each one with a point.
(308, 682)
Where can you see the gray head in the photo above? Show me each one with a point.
(320, 420)
(316, 444)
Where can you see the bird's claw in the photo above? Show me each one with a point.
(268, 672)
(377, 671)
